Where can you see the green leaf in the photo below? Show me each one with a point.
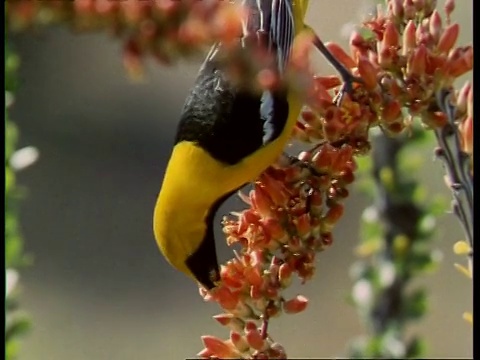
(18, 326)
(416, 304)
(416, 348)
(423, 260)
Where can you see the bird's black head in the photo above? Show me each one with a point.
(203, 262)
(203, 265)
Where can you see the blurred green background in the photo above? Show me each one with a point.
(99, 288)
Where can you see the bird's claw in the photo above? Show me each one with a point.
(293, 160)
(348, 80)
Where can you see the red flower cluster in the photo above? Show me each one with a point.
(404, 56)
(292, 210)
(164, 29)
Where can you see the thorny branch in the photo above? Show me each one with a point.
(457, 166)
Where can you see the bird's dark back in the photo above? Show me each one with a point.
(228, 122)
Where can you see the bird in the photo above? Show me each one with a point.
(227, 136)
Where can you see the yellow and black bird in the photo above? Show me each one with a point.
(226, 137)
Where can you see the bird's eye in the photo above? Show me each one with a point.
(214, 275)
(305, 190)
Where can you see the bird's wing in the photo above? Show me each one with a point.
(274, 17)
(282, 31)
(274, 110)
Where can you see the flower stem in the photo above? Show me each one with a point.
(456, 163)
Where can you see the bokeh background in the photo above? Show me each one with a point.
(99, 288)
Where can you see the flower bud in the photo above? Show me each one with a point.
(231, 321)
(253, 276)
(462, 248)
(243, 310)
(409, 38)
(205, 354)
(435, 26)
(302, 224)
(466, 129)
(255, 340)
(239, 341)
(340, 54)
(275, 190)
(226, 298)
(368, 73)
(448, 38)
(278, 351)
(295, 305)
(261, 202)
(334, 214)
(285, 275)
(322, 159)
(449, 8)
(327, 82)
(391, 37)
(219, 348)
(391, 111)
(417, 62)
(462, 98)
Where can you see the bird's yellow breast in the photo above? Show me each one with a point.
(194, 181)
